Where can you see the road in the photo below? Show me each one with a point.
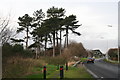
(103, 69)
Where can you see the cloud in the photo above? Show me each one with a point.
(94, 15)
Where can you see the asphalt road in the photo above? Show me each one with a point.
(103, 69)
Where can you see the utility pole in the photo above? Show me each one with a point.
(118, 54)
(107, 56)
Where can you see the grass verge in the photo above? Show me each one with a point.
(49, 70)
(73, 72)
(110, 61)
(83, 59)
(17, 67)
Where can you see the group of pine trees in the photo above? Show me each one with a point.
(47, 28)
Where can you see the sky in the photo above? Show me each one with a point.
(94, 15)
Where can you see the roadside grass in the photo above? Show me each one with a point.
(52, 72)
(35, 76)
(36, 73)
(58, 60)
(73, 72)
(110, 61)
(19, 67)
(16, 67)
(49, 69)
(83, 59)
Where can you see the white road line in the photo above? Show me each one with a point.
(102, 77)
(94, 75)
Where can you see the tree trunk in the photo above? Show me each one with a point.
(60, 43)
(67, 36)
(39, 51)
(65, 42)
(54, 44)
(27, 39)
(57, 38)
(36, 52)
(45, 45)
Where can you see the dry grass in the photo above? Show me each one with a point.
(58, 60)
(16, 67)
(74, 49)
(71, 63)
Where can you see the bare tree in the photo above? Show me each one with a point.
(5, 32)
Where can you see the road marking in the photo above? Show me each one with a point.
(102, 77)
(94, 75)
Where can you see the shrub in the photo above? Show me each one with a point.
(27, 53)
(74, 49)
(6, 50)
(113, 53)
(58, 60)
(17, 48)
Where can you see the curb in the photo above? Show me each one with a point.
(93, 74)
(76, 63)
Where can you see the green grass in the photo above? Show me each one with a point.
(52, 72)
(83, 59)
(35, 76)
(49, 69)
(114, 62)
(73, 72)
(32, 68)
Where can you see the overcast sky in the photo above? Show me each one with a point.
(94, 15)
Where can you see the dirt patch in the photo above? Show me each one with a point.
(71, 63)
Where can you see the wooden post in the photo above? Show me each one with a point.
(66, 66)
(61, 72)
(44, 72)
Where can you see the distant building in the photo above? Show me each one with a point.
(113, 53)
(95, 53)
